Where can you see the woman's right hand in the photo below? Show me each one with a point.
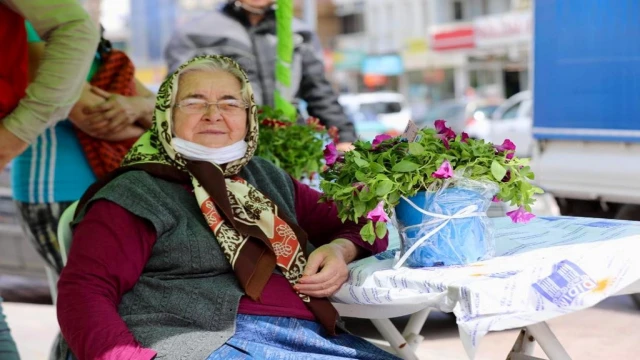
(80, 119)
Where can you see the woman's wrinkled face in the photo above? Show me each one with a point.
(258, 4)
(215, 126)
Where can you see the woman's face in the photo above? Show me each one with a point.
(258, 4)
(210, 127)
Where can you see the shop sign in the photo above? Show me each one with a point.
(348, 60)
(503, 30)
(452, 37)
(388, 65)
(414, 53)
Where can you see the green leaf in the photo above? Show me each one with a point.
(498, 171)
(360, 208)
(360, 176)
(366, 195)
(381, 229)
(405, 166)
(361, 162)
(416, 149)
(393, 198)
(384, 187)
(367, 232)
(376, 168)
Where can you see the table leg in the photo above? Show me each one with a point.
(548, 341)
(523, 347)
(411, 332)
(393, 336)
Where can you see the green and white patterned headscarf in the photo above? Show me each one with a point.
(154, 146)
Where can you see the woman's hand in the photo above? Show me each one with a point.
(327, 269)
(111, 116)
(345, 146)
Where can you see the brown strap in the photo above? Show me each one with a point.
(212, 179)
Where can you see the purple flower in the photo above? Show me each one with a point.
(442, 129)
(508, 147)
(520, 216)
(379, 139)
(444, 172)
(330, 154)
(464, 137)
(378, 214)
(445, 141)
(495, 199)
(360, 186)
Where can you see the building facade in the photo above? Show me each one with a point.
(435, 50)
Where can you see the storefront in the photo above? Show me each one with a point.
(502, 52)
(346, 70)
(451, 44)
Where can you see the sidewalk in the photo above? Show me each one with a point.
(609, 331)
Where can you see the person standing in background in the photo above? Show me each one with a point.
(246, 32)
(59, 166)
(72, 38)
(25, 112)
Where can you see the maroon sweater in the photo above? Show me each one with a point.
(90, 322)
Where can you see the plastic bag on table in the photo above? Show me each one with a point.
(446, 226)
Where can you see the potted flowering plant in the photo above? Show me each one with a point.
(439, 186)
(295, 148)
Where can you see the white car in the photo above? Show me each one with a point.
(376, 113)
(511, 120)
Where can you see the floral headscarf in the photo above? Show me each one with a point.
(252, 231)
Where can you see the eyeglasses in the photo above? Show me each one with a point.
(198, 106)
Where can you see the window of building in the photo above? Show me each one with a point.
(458, 13)
(351, 23)
(485, 7)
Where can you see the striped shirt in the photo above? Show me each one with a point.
(54, 168)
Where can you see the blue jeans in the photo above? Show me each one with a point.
(282, 338)
(8, 350)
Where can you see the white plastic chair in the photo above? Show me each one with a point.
(64, 231)
(64, 242)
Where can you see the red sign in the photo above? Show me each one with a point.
(461, 37)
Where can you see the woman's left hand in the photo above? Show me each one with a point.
(327, 269)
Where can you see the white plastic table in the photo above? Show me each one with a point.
(548, 268)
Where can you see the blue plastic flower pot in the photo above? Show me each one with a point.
(460, 241)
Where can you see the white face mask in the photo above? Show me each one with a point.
(192, 151)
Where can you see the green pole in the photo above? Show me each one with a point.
(284, 53)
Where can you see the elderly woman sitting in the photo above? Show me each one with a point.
(196, 250)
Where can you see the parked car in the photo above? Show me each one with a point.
(460, 114)
(376, 113)
(511, 120)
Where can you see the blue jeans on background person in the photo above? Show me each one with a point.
(8, 349)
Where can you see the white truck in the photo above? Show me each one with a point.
(586, 112)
